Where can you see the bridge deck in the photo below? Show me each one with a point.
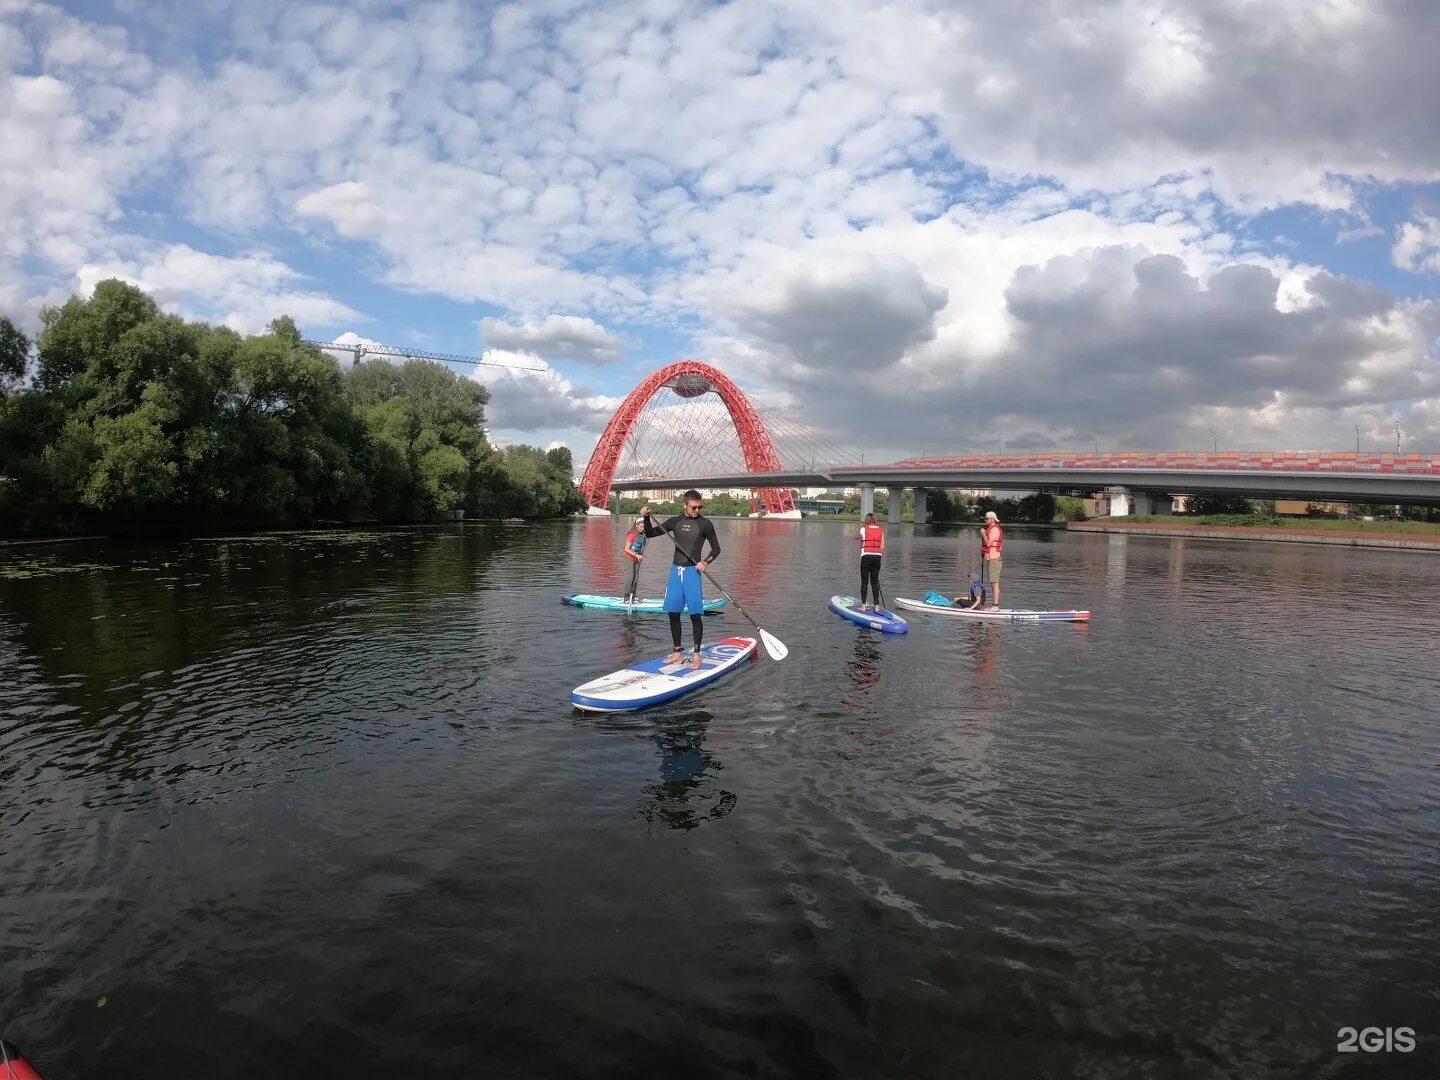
(1341, 477)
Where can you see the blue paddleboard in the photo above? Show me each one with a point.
(848, 607)
(653, 681)
(647, 606)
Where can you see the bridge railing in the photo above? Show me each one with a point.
(1237, 460)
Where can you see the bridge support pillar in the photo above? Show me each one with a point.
(893, 497)
(1144, 503)
(615, 503)
(867, 499)
(1119, 501)
(920, 508)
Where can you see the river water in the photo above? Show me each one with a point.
(316, 804)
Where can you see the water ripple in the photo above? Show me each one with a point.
(306, 803)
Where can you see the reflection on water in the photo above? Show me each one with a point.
(688, 794)
(303, 805)
(863, 670)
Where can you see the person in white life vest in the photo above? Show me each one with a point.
(872, 548)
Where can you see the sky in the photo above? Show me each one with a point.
(1147, 224)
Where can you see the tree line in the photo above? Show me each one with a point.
(122, 418)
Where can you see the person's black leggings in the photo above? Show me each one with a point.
(634, 579)
(696, 624)
(870, 576)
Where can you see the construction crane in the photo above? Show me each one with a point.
(363, 349)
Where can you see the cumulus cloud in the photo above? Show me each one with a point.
(244, 293)
(524, 401)
(1417, 245)
(1105, 331)
(1293, 103)
(1146, 349)
(836, 310)
(557, 337)
(354, 346)
(945, 210)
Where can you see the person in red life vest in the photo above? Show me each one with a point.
(635, 552)
(992, 539)
(872, 548)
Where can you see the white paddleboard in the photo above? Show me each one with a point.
(1003, 615)
(654, 681)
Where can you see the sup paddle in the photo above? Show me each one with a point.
(773, 645)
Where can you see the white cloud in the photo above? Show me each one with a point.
(557, 337)
(347, 357)
(523, 402)
(244, 293)
(835, 309)
(1060, 327)
(916, 201)
(1417, 244)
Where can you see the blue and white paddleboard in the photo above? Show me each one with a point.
(847, 607)
(649, 606)
(1003, 615)
(653, 681)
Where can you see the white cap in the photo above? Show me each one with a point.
(991, 514)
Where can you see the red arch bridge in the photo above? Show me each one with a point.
(772, 462)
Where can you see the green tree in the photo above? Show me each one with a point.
(533, 485)
(1201, 505)
(426, 452)
(14, 357)
(1038, 509)
(169, 422)
(138, 419)
(560, 457)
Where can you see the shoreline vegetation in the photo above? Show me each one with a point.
(123, 420)
(1409, 535)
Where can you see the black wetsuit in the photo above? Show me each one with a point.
(691, 535)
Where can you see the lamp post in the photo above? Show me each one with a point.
(1214, 442)
(1397, 436)
(1097, 444)
(1357, 440)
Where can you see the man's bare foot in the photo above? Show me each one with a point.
(696, 661)
(674, 658)
(993, 607)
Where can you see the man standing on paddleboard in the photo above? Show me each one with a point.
(992, 539)
(682, 592)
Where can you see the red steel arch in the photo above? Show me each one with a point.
(755, 442)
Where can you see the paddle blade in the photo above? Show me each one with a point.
(773, 645)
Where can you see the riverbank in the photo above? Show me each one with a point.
(1408, 535)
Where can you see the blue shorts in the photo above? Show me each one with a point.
(682, 590)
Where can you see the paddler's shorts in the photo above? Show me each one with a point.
(682, 590)
(990, 571)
